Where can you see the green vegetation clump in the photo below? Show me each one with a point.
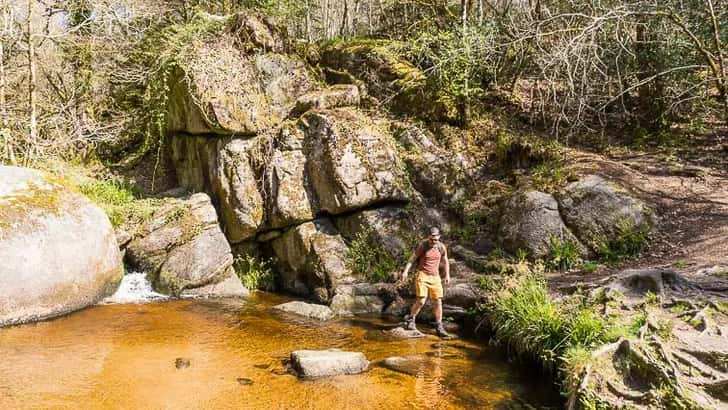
(531, 325)
(629, 242)
(254, 273)
(563, 254)
(120, 199)
(367, 256)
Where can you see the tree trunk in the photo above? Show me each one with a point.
(32, 79)
(308, 22)
(464, 12)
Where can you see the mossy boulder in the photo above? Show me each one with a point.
(340, 95)
(598, 211)
(380, 66)
(182, 247)
(236, 83)
(311, 260)
(58, 251)
(223, 167)
(530, 220)
(352, 161)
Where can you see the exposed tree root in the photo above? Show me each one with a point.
(698, 319)
(640, 397)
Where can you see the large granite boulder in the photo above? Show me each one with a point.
(223, 168)
(182, 247)
(311, 260)
(312, 364)
(352, 161)
(598, 211)
(530, 220)
(234, 82)
(58, 252)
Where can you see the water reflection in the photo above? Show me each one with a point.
(123, 356)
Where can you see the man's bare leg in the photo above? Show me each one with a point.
(438, 318)
(416, 307)
(438, 310)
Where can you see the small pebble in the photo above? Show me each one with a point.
(181, 363)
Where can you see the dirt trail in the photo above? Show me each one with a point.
(691, 202)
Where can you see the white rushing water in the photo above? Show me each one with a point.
(134, 288)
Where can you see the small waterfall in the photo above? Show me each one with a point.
(134, 288)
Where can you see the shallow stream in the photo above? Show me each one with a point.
(220, 354)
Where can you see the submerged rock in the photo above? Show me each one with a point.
(182, 247)
(311, 364)
(181, 363)
(58, 251)
(244, 381)
(310, 310)
(412, 364)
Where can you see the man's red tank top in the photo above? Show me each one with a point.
(429, 259)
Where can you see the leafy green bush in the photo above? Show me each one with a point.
(629, 242)
(366, 256)
(563, 254)
(255, 273)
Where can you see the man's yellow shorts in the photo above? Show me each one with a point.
(428, 285)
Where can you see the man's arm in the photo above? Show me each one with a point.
(411, 261)
(447, 266)
(407, 267)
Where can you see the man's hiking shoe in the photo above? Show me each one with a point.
(440, 329)
(409, 324)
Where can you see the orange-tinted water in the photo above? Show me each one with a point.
(123, 356)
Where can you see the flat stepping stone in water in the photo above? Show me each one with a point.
(412, 364)
(312, 364)
(402, 333)
(310, 310)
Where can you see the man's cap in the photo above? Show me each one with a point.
(434, 231)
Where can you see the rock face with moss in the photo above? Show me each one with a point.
(58, 252)
(380, 69)
(222, 167)
(598, 211)
(352, 161)
(182, 247)
(236, 83)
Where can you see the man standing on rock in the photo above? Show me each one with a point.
(429, 253)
